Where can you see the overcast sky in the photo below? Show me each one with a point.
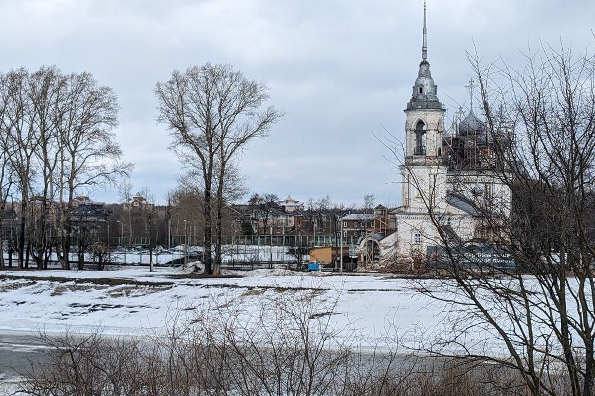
(340, 70)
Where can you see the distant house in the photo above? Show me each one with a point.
(380, 221)
(290, 205)
(81, 200)
(138, 201)
(277, 218)
(356, 225)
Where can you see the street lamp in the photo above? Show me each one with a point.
(169, 233)
(121, 232)
(120, 237)
(185, 243)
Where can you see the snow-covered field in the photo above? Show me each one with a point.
(134, 301)
(378, 312)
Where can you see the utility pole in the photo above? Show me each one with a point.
(109, 257)
(186, 243)
(341, 252)
(169, 233)
(130, 224)
(122, 240)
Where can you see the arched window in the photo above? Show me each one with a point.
(421, 90)
(420, 141)
(417, 238)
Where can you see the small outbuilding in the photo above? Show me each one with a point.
(328, 255)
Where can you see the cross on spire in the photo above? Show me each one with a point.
(424, 47)
(470, 87)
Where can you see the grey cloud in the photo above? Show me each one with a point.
(341, 71)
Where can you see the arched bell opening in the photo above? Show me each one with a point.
(420, 138)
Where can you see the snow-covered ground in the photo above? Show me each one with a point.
(377, 312)
(134, 301)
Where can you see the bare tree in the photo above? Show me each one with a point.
(322, 215)
(369, 200)
(242, 119)
(19, 134)
(90, 154)
(523, 278)
(212, 111)
(45, 89)
(187, 106)
(56, 129)
(126, 197)
(149, 216)
(6, 186)
(263, 208)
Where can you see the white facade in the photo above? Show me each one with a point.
(430, 185)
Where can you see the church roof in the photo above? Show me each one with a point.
(425, 90)
(461, 202)
(471, 125)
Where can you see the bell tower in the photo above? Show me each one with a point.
(424, 113)
(424, 127)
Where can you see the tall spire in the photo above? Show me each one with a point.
(424, 48)
(425, 91)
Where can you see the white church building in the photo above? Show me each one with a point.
(446, 173)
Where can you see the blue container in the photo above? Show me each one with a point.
(313, 266)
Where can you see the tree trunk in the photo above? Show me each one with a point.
(219, 224)
(21, 244)
(588, 376)
(66, 228)
(81, 259)
(47, 257)
(66, 235)
(208, 237)
(151, 259)
(81, 250)
(27, 254)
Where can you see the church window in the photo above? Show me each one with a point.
(417, 238)
(420, 139)
(421, 90)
